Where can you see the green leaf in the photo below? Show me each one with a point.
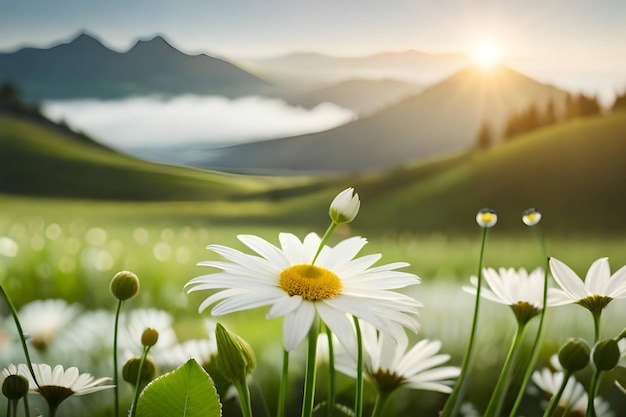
(187, 391)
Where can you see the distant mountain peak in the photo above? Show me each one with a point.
(85, 38)
(156, 43)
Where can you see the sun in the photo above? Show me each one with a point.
(486, 53)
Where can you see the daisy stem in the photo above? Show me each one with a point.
(381, 402)
(494, 408)
(332, 380)
(358, 400)
(534, 352)
(591, 395)
(244, 398)
(554, 401)
(115, 370)
(453, 403)
(329, 232)
(309, 376)
(20, 332)
(596, 325)
(12, 408)
(282, 391)
(26, 408)
(133, 406)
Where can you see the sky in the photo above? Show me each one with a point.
(571, 37)
(579, 45)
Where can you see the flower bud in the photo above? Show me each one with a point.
(235, 358)
(574, 355)
(531, 217)
(130, 370)
(606, 355)
(15, 387)
(344, 207)
(149, 337)
(486, 218)
(124, 285)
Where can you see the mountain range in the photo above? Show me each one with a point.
(442, 119)
(85, 68)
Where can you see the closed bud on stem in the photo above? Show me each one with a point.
(15, 387)
(574, 354)
(344, 207)
(235, 358)
(149, 337)
(130, 370)
(124, 285)
(606, 354)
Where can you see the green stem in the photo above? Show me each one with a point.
(358, 399)
(534, 353)
(591, 395)
(10, 405)
(554, 401)
(381, 402)
(133, 406)
(309, 376)
(115, 370)
(494, 408)
(20, 332)
(332, 379)
(329, 232)
(26, 412)
(596, 325)
(244, 398)
(282, 391)
(452, 405)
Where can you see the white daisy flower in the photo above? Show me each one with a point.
(139, 320)
(598, 289)
(41, 320)
(550, 382)
(338, 283)
(56, 385)
(522, 291)
(202, 350)
(391, 365)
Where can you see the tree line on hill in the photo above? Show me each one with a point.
(533, 117)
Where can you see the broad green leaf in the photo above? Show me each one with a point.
(187, 391)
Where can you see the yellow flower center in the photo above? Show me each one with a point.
(487, 217)
(310, 282)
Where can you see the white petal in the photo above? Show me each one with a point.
(247, 301)
(616, 287)
(339, 324)
(284, 306)
(598, 277)
(567, 279)
(297, 324)
(266, 250)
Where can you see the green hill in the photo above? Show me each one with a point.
(39, 159)
(574, 173)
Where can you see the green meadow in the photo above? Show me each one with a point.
(73, 214)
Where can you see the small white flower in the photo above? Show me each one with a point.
(531, 217)
(202, 350)
(550, 382)
(285, 279)
(391, 365)
(522, 291)
(598, 289)
(344, 207)
(486, 218)
(56, 385)
(42, 319)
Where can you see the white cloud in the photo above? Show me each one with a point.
(149, 121)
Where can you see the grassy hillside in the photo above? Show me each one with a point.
(40, 161)
(574, 173)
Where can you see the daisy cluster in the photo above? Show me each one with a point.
(351, 314)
